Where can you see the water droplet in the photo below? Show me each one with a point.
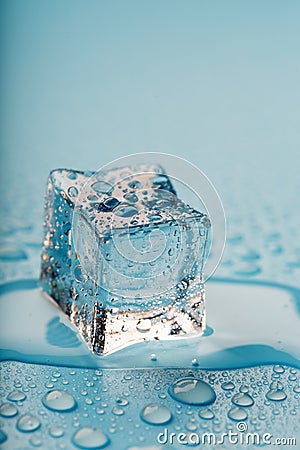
(3, 437)
(143, 325)
(171, 252)
(8, 410)
(59, 401)
(242, 400)
(156, 414)
(278, 369)
(111, 203)
(72, 175)
(122, 401)
(160, 180)
(90, 438)
(78, 275)
(206, 221)
(55, 431)
(16, 396)
(134, 184)
(195, 362)
(101, 187)
(153, 357)
(28, 423)
(132, 198)
(192, 391)
(73, 191)
(118, 411)
(237, 414)
(277, 395)
(206, 414)
(36, 441)
(227, 386)
(155, 217)
(126, 211)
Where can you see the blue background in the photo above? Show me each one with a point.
(85, 82)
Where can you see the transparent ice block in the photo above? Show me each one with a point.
(123, 256)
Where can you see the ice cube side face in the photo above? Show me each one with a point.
(119, 296)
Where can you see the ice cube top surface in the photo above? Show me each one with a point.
(123, 198)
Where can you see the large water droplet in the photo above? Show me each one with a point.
(237, 414)
(156, 414)
(28, 423)
(242, 400)
(16, 396)
(90, 438)
(59, 401)
(8, 410)
(277, 395)
(192, 392)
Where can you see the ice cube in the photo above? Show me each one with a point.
(123, 256)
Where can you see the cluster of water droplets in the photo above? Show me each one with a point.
(84, 408)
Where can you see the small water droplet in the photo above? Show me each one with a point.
(72, 175)
(90, 438)
(132, 198)
(28, 423)
(277, 395)
(242, 400)
(118, 411)
(144, 325)
(3, 437)
(126, 211)
(36, 441)
(155, 217)
(16, 396)
(59, 401)
(8, 410)
(101, 187)
(73, 191)
(227, 386)
(192, 391)
(122, 401)
(78, 275)
(156, 414)
(237, 414)
(134, 184)
(56, 431)
(278, 369)
(206, 414)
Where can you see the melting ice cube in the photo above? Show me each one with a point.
(123, 256)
